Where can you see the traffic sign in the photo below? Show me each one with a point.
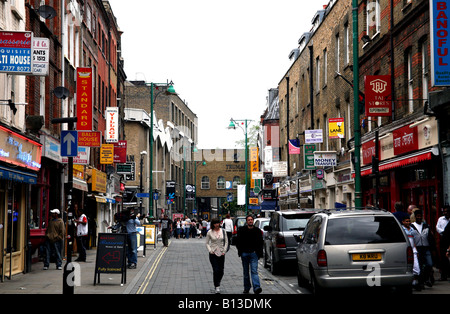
(69, 143)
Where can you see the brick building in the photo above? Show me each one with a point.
(175, 136)
(218, 172)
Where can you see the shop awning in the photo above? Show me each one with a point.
(17, 175)
(399, 162)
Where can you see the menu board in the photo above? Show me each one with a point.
(111, 255)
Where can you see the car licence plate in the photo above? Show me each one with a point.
(366, 256)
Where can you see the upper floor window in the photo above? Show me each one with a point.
(373, 13)
(236, 181)
(220, 182)
(205, 183)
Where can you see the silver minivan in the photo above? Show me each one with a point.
(354, 248)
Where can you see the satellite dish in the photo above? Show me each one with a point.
(46, 11)
(61, 92)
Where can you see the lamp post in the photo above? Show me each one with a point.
(356, 125)
(232, 125)
(143, 153)
(170, 91)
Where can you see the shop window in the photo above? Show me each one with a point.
(13, 231)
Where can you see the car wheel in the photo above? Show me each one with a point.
(274, 268)
(300, 280)
(315, 288)
(266, 264)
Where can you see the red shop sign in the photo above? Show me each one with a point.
(378, 95)
(368, 150)
(405, 140)
(84, 99)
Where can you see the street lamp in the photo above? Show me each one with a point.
(170, 91)
(232, 125)
(143, 153)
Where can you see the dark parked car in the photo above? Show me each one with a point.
(283, 231)
(238, 222)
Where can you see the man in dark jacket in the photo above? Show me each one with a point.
(250, 249)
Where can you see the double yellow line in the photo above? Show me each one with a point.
(151, 271)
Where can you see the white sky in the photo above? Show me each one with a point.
(222, 56)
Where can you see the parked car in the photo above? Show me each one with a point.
(341, 248)
(238, 222)
(280, 243)
(261, 223)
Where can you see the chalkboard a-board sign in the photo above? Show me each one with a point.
(111, 255)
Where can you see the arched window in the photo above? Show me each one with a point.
(236, 181)
(220, 183)
(205, 183)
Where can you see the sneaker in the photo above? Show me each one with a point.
(217, 290)
(59, 267)
(246, 292)
(258, 290)
(132, 266)
(45, 268)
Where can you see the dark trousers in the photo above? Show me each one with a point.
(217, 263)
(81, 247)
(165, 233)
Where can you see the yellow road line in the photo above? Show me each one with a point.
(151, 271)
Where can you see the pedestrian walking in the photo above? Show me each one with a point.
(425, 245)
(413, 237)
(444, 243)
(228, 226)
(217, 243)
(250, 249)
(400, 212)
(132, 223)
(187, 227)
(166, 229)
(82, 233)
(54, 239)
(204, 227)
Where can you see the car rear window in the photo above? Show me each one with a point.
(295, 221)
(363, 230)
(240, 222)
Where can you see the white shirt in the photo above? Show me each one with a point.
(441, 224)
(228, 225)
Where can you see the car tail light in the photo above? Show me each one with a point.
(410, 255)
(322, 258)
(280, 242)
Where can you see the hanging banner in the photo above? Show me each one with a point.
(294, 147)
(336, 128)
(241, 194)
(440, 42)
(112, 124)
(378, 95)
(254, 163)
(313, 136)
(84, 99)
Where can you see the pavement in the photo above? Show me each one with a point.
(182, 268)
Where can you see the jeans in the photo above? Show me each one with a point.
(217, 263)
(53, 248)
(132, 248)
(186, 232)
(81, 247)
(250, 267)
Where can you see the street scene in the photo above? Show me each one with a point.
(258, 150)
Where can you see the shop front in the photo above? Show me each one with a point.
(20, 161)
(410, 168)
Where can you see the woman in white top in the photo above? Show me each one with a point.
(217, 244)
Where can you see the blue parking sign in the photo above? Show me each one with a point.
(69, 143)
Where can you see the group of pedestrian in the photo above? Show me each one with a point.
(424, 245)
(249, 244)
(56, 233)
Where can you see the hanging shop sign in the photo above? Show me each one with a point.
(19, 150)
(90, 138)
(107, 154)
(313, 136)
(294, 146)
(336, 128)
(120, 152)
(82, 158)
(377, 95)
(84, 99)
(112, 124)
(15, 52)
(325, 159)
(41, 56)
(279, 169)
(440, 42)
(308, 153)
